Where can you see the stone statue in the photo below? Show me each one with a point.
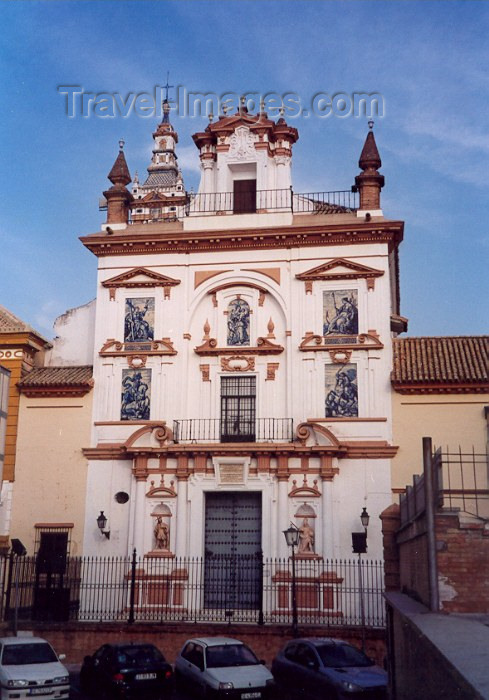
(306, 538)
(162, 533)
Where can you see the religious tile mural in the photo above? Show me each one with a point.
(341, 391)
(139, 320)
(238, 322)
(136, 394)
(340, 312)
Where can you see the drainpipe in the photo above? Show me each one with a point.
(430, 524)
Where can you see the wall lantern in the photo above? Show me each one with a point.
(102, 523)
(365, 518)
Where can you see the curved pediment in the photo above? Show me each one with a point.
(311, 433)
(150, 437)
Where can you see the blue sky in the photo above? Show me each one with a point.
(427, 59)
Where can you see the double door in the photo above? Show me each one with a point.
(233, 557)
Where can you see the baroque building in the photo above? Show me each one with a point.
(243, 352)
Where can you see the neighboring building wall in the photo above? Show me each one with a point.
(441, 389)
(73, 342)
(441, 417)
(50, 481)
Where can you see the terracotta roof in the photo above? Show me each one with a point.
(451, 364)
(57, 380)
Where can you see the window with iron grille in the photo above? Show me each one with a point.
(53, 541)
(238, 409)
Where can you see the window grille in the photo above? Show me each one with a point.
(238, 409)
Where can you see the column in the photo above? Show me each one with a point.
(140, 471)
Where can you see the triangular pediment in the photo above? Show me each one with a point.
(340, 269)
(140, 277)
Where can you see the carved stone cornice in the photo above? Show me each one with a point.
(341, 343)
(263, 347)
(140, 239)
(141, 349)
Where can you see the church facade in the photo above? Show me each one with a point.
(242, 353)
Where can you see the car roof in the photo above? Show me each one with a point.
(22, 640)
(320, 641)
(128, 645)
(214, 641)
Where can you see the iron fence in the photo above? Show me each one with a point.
(460, 481)
(216, 430)
(240, 589)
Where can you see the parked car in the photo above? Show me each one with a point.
(327, 668)
(127, 671)
(221, 667)
(29, 667)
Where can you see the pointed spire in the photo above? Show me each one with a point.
(119, 175)
(118, 197)
(369, 157)
(370, 181)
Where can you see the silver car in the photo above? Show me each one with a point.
(221, 667)
(29, 667)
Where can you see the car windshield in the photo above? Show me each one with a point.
(342, 655)
(230, 655)
(138, 656)
(21, 654)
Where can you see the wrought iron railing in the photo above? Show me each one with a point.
(194, 430)
(261, 201)
(216, 588)
(460, 481)
(338, 201)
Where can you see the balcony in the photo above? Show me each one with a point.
(259, 201)
(195, 430)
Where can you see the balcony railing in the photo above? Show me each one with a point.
(261, 201)
(195, 430)
(340, 201)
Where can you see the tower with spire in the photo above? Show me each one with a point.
(161, 196)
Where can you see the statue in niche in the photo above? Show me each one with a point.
(161, 533)
(306, 538)
(342, 400)
(344, 319)
(238, 323)
(138, 320)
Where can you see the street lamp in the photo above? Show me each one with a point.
(359, 542)
(102, 523)
(292, 539)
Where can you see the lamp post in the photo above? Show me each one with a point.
(20, 551)
(359, 541)
(292, 539)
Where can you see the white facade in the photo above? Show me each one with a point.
(317, 464)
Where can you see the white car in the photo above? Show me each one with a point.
(29, 667)
(221, 667)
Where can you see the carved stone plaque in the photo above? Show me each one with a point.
(231, 473)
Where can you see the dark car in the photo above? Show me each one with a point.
(327, 669)
(127, 671)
